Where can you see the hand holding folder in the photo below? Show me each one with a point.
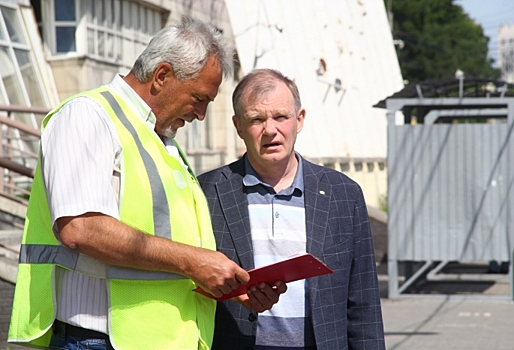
(293, 268)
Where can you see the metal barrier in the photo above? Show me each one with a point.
(451, 187)
(18, 152)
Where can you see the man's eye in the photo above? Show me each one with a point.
(256, 121)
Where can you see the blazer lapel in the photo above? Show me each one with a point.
(234, 206)
(317, 201)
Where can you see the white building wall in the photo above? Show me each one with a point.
(353, 39)
(506, 52)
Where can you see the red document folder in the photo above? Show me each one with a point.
(293, 268)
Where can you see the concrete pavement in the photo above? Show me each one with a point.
(471, 312)
(448, 323)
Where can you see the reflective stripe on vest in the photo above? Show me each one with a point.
(59, 255)
(161, 213)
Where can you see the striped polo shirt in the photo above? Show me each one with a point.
(277, 223)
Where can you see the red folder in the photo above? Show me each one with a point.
(293, 268)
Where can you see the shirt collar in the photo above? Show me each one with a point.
(133, 99)
(252, 179)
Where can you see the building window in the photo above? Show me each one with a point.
(29, 76)
(113, 30)
(65, 38)
(64, 10)
(65, 25)
(36, 5)
(19, 83)
(119, 30)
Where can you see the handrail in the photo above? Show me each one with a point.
(16, 158)
(16, 167)
(23, 109)
(19, 125)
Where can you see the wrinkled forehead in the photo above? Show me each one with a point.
(256, 92)
(268, 90)
(272, 104)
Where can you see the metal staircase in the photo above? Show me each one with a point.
(19, 144)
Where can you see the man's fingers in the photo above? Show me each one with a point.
(263, 297)
(270, 294)
(242, 276)
(218, 274)
(257, 300)
(281, 287)
(214, 292)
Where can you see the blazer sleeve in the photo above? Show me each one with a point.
(364, 314)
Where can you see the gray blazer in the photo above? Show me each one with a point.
(345, 306)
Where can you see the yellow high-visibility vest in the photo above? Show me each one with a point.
(148, 309)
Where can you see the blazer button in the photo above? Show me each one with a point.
(252, 317)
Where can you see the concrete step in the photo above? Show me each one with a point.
(10, 241)
(12, 206)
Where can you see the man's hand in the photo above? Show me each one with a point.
(215, 273)
(262, 297)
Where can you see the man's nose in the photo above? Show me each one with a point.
(200, 112)
(270, 127)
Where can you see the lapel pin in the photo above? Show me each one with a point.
(322, 192)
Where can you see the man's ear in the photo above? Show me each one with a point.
(301, 118)
(163, 71)
(237, 125)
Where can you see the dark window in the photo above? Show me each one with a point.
(65, 38)
(64, 10)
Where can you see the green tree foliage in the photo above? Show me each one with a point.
(438, 38)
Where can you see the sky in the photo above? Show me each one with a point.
(490, 14)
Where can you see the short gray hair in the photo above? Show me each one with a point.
(258, 83)
(187, 46)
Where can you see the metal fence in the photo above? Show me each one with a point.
(450, 185)
(18, 158)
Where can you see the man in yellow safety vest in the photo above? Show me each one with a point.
(118, 233)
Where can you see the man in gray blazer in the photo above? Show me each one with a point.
(272, 203)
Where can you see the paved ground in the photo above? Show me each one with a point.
(450, 315)
(437, 315)
(444, 314)
(446, 323)
(6, 295)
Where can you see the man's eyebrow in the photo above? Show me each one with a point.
(211, 99)
(202, 96)
(282, 112)
(252, 115)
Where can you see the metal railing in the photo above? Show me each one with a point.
(17, 159)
